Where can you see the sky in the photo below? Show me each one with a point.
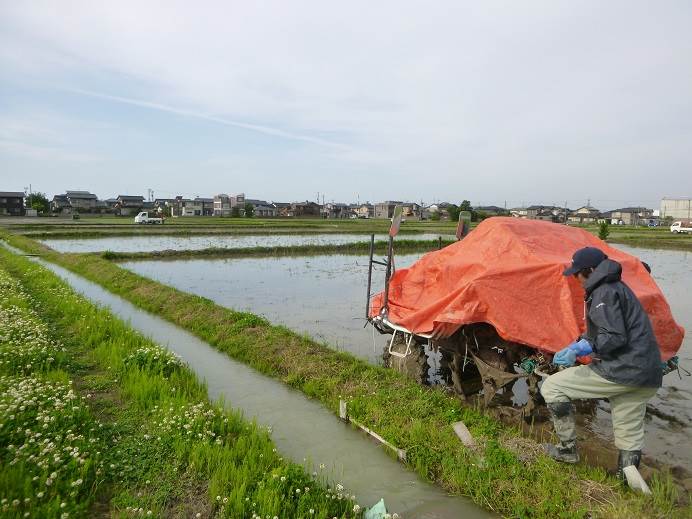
(497, 102)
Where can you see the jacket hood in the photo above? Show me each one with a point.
(608, 271)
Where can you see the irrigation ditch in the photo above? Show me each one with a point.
(498, 475)
(99, 420)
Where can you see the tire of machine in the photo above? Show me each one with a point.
(413, 366)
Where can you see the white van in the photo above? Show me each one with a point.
(144, 218)
(681, 226)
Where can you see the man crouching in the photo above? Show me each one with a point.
(625, 363)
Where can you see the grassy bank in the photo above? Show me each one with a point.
(412, 417)
(96, 420)
(360, 248)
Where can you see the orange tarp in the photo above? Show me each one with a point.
(508, 272)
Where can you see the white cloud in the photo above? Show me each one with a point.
(449, 97)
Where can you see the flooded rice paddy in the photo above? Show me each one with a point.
(324, 297)
(160, 243)
(302, 429)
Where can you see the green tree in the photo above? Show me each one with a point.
(453, 212)
(603, 230)
(235, 212)
(466, 206)
(249, 210)
(38, 201)
(435, 216)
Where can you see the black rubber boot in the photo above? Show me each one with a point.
(626, 459)
(565, 428)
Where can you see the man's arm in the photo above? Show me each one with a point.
(606, 313)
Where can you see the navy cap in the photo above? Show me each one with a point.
(588, 257)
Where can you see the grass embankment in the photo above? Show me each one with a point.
(96, 420)
(360, 248)
(412, 417)
(102, 227)
(646, 237)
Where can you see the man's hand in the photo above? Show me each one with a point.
(568, 356)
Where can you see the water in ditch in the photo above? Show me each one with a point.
(324, 296)
(160, 243)
(301, 428)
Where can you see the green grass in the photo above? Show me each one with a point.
(97, 419)
(360, 248)
(410, 416)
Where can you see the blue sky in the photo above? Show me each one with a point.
(489, 101)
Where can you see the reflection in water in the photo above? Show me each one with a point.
(159, 243)
(324, 296)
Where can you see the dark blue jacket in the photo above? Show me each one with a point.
(619, 330)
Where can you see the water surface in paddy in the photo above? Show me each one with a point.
(324, 296)
(159, 243)
(301, 428)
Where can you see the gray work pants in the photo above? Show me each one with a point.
(627, 403)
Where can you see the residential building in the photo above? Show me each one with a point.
(222, 205)
(12, 203)
(410, 210)
(81, 201)
(262, 208)
(60, 204)
(628, 216)
(238, 201)
(336, 210)
(128, 205)
(439, 209)
(366, 210)
(302, 209)
(676, 208)
(586, 214)
(386, 209)
(206, 206)
(282, 208)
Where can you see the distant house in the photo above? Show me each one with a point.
(628, 216)
(75, 202)
(586, 214)
(12, 203)
(206, 206)
(676, 208)
(366, 210)
(386, 209)
(282, 208)
(127, 205)
(60, 204)
(262, 208)
(410, 209)
(222, 205)
(238, 200)
(440, 209)
(81, 201)
(548, 213)
(336, 210)
(302, 209)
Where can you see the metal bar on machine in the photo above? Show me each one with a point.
(388, 274)
(372, 251)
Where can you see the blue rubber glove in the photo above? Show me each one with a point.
(568, 356)
(565, 357)
(581, 347)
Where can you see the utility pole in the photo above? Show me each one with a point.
(565, 212)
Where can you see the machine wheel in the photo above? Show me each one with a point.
(414, 365)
